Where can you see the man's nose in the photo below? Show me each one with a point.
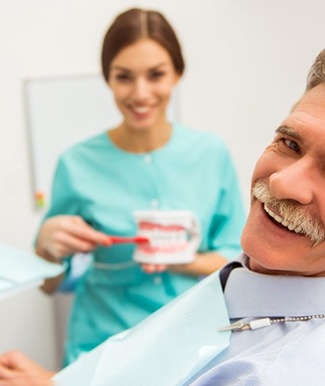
(293, 182)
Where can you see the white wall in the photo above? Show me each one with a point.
(246, 64)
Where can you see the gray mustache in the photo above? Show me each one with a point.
(292, 212)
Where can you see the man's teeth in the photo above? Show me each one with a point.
(282, 221)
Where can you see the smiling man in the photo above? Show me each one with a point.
(288, 204)
(275, 297)
(274, 294)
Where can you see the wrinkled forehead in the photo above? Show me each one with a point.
(312, 101)
(307, 117)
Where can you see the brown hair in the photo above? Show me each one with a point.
(135, 24)
(316, 73)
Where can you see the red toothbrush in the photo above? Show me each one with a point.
(127, 240)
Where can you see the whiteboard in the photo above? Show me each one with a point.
(64, 110)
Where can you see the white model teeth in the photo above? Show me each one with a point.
(141, 110)
(282, 221)
(159, 238)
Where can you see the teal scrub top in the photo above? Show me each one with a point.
(105, 185)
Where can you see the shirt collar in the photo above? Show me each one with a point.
(251, 294)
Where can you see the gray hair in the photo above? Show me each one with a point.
(316, 73)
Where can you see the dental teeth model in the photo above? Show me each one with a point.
(174, 237)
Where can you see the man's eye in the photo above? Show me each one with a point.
(291, 145)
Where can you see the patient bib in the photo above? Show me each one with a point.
(167, 348)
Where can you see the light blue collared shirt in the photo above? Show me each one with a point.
(166, 347)
(290, 353)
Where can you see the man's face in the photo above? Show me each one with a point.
(285, 229)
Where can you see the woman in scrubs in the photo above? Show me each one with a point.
(144, 163)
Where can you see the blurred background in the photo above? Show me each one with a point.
(247, 62)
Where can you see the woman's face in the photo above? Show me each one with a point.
(142, 77)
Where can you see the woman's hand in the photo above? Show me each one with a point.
(63, 235)
(202, 265)
(16, 369)
(153, 268)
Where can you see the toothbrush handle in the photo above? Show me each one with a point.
(128, 240)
